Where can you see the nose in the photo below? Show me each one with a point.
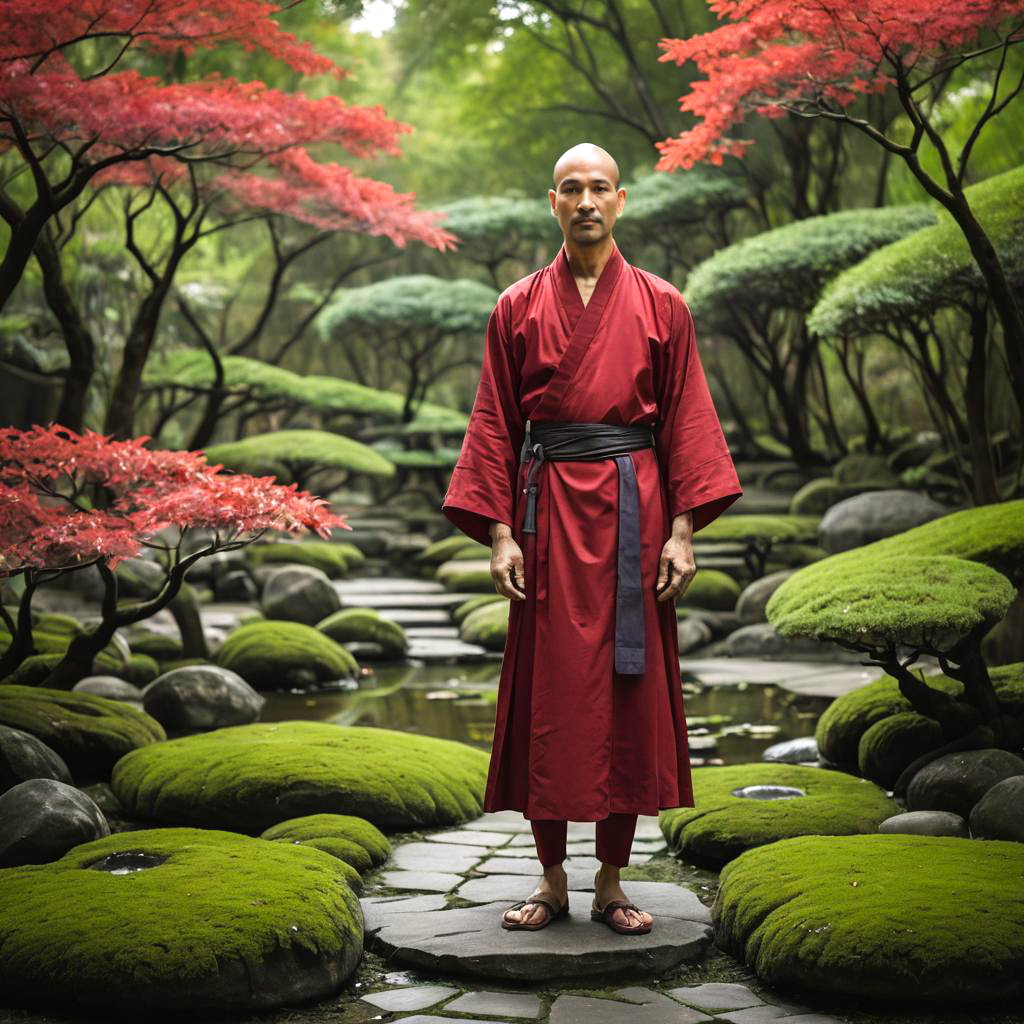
(586, 201)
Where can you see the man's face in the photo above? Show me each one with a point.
(586, 201)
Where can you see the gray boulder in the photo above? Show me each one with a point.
(999, 814)
(760, 640)
(956, 782)
(863, 518)
(925, 823)
(235, 585)
(24, 757)
(299, 593)
(110, 687)
(43, 819)
(796, 751)
(693, 633)
(754, 596)
(197, 698)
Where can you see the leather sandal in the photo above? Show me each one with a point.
(554, 911)
(605, 914)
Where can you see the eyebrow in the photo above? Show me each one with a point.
(599, 179)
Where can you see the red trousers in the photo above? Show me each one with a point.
(613, 838)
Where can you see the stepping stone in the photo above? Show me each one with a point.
(471, 837)
(448, 858)
(497, 1004)
(387, 586)
(417, 998)
(716, 996)
(420, 1018)
(570, 1009)
(432, 632)
(386, 906)
(407, 617)
(754, 1015)
(440, 648)
(441, 599)
(471, 941)
(431, 881)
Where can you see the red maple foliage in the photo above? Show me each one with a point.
(817, 58)
(51, 523)
(71, 119)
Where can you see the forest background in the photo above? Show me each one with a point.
(495, 91)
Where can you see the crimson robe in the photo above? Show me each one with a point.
(574, 739)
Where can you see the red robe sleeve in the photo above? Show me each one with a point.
(483, 481)
(696, 465)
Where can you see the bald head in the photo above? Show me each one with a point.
(586, 159)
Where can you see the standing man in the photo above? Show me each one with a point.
(593, 453)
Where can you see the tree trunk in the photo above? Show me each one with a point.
(983, 470)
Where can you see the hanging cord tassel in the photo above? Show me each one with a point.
(530, 490)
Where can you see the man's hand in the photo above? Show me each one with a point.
(677, 566)
(506, 563)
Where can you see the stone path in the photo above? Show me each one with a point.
(436, 907)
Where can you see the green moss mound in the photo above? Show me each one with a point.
(91, 733)
(468, 575)
(160, 646)
(487, 626)
(712, 589)
(249, 777)
(721, 826)
(762, 529)
(319, 554)
(35, 669)
(473, 603)
(168, 936)
(273, 654)
(858, 467)
(365, 624)
(894, 742)
(353, 840)
(456, 546)
(816, 497)
(876, 601)
(354, 558)
(929, 919)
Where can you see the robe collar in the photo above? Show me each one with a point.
(565, 283)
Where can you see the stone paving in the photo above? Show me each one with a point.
(436, 906)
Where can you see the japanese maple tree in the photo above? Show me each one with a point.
(816, 59)
(68, 501)
(72, 106)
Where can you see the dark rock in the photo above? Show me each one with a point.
(956, 782)
(43, 819)
(693, 633)
(24, 757)
(200, 697)
(863, 518)
(925, 823)
(999, 814)
(795, 751)
(236, 585)
(751, 604)
(110, 687)
(299, 593)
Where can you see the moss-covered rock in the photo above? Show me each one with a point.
(816, 497)
(722, 825)
(932, 919)
(365, 625)
(894, 742)
(90, 733)
(320, 554)
(220, 921)
(140, 669)
(473, 603)
(468, 575)
(161, 646)
(843, 723)
(355, 841)
(858, 467)
(486, 626)
(457, 546)
(250, 777)
(712, 589)
(272, 654)
(354, 557)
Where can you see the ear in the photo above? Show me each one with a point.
(622, 202)
(552, 195)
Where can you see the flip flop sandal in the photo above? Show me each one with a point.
(553, 912)
(610, 907)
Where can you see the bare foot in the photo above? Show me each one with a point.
(555, 889)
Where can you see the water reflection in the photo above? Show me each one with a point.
(727, 724)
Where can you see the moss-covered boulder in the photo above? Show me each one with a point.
(90, 733)
(894, 742)
(356, 842)
(460, 613)
(160, 646)
(365, 626)
(470, 575)
(486, 626)
(930, 919)
(722, 824)
(271, 654)
(712, 589)
(816, 497)
(140, 669)
(320, 554)
(250, 777)
(202, 919)
(458, 546)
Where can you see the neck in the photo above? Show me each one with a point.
(588, 261)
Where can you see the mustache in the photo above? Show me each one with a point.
(586, 220)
